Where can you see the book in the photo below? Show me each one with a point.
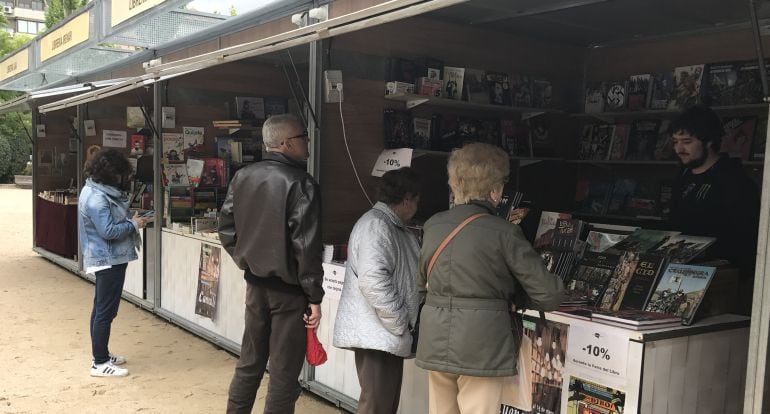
(567, 234)
(600, 241)
(590, 278)
(739, 131)
(760, 138)
(489, 131)
(542, 93)
(468, 130)
(616, 99)
(594, 97)
(687, 83)
(642, 282)
(646, 201)
(662, 88)
(521, 91)
(623, 190)
(642, 140)
(224, 150)
(601, 141)
(683, 248)
(137, 145)
(639, 92)
(398, 128)
(475, 86)
(681, 290)
(134, 117)
(636, 317)
(453, 82)
(448, 137)
(429, 87)
(719, 83)
(644, 240)
(421, 133)
(499, 88)
(546, 227)
(194, 171)
(516, 138)
(193, 138)
(275, 105)
(175, 175)
(250, 108)
(509, 202)
(664, 146)
(586, 139)
(748, 84)
(592, 195)
(560, 263)
(214, 173)
(402, 70)
(586, 397)
(173, 145)
(618, 283)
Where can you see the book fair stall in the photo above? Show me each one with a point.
(651, 323)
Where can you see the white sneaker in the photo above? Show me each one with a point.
(107, 369)
(117, 359)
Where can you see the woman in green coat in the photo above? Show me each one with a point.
(466, 339)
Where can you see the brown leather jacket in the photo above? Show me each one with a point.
(270, 224)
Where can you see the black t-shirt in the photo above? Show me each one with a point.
(722, 202)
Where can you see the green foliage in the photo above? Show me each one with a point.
(232, 10)
(15, 144)
(58, 10)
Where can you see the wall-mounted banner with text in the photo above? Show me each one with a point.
(66, 37)
(14, 65)
(123, 10)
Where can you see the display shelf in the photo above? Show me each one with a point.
(651, 113)
(420, 152)
(649, 162)
(411, 100)
(599, 217)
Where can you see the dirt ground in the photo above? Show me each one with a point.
(45, 345)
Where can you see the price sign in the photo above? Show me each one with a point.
(392, 159)
(597, 349)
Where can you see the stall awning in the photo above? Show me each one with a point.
(22, 102)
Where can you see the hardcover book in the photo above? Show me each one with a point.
(137, 145)
(499, 88)
(600, 241)
(687, 83)
(542, 93)
(683, 248)
(586, 397)
(681, 290)
(521, 91)
(175, 175)
(662, 88)
(194, 171)
(632, 317)
(567, 234)
(476, 88)
(639, 92)
(594, 97)
(616, 96)
(173, 145)
(453, 82)
(623, 191)
(586, 139)
(719, 83)
(546, 227)
(421, 133)
(592, 195)
(590, 278)
(601, 141)
(664, 147)
(214, 173)
(429, 87)
(642, 282)
(250, 108)
(739, 132)
(642, 140)
(618, 283)
(516, 138)
(748, 85)
(543, 143)
(644, 240)
(275, 105)
(398, 128)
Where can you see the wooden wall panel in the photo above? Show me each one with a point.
(55, 145)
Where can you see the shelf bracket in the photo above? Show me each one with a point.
(411, 103)
(530, 115)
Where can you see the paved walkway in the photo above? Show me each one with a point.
(45, 344)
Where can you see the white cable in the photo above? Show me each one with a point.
(347, 148)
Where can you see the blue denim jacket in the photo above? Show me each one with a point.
(107, 234)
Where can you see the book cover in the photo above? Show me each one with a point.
(748, 85)
(175, 175)
(516, 138)
(590, 278)
(193, 138)
(509, 202)
(468, 130)
(616, 99)
(567, 234)
(275, 105)
(601, 141)
(592, 195)
(499, 88)
(687, 82)
(600, 241)
(642, 140)
(250, 108)
(664, 146)
(681, 290)
(489, 131)
(398, 127)
(208, 281)
(173, 145)
(619, 141)
(642, 282)
(639, 92)
(760, 138)
(549, 344)
(421, 133)
(476, 88)
(134, 117)
(429, 87)
(623, 190)
(594, 97)
(402, 70)
(543, 142)
(739, 131)
(644, 240)
(453, 82)
(586, 138)
(662, 88)
(631, 317)
(719, 83)
(586, 397)
(214, 173)
(542, 93)
(683, 248)
(645, 200)
(194, 171)
(547, 226)
(448, 136)
(224, 148)
(137, 145)
(521, 91)
(618, 283)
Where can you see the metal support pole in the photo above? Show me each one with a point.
(315, 68)
(758, 47)
(80, 131)
(157, 191)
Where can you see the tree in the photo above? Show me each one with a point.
(232, 10)
(15, 127)
(58, 10)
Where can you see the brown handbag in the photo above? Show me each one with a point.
(415, 330)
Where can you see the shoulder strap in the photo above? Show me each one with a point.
(449, 238)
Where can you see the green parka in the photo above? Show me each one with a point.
(465, 324)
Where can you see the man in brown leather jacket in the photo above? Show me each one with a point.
(270, 225)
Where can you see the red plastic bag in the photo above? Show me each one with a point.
(315, 353)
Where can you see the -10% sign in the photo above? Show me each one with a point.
(597, 349)
(392, 159)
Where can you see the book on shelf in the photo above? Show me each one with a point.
(739, 131)
(173, 146)
(398, 128)
(636, 318)
(642, 140)
(643, 281)
(586, 137)
(509, 202)
(453, 82)
(748, 85)
(599, 241)
(543, 142)
(547, 227)
(568, 235)
(398, 88)
(516, 138)
(587, 397)
(137, 145)
(215, 173)
(687, 85)
(592, 195)
(664, 146)
(250, 108)
(680, 290)
(421, 133)
(760, 138)
(558, 262)
(662, 89)
(429, 87)
(194, 171)
(643, 240)
(719, 83)
(499, 88)
(475, 86)
(601, 141)
(594, 97)
(639, 91)
(619, 142)
(590, 278)
(542, 93)
(275, 105)
(402, 70)
(521, 91)
(616, 96)
(683, 248)
(175, 175)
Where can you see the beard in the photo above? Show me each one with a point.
(697, 162)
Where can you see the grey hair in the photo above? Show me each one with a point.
(274, 129)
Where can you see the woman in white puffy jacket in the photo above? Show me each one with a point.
(379, 301)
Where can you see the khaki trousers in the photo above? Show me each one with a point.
(463, 394)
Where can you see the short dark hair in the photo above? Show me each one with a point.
(702, 123)
(396, 185)
(108, 166)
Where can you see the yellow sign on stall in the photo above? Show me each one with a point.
(71, 34)
(123, 10)
(14, 65)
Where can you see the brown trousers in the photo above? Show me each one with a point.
(463, 394)
(273, 323)
(379, 374)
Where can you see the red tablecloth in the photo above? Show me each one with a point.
(56, 228)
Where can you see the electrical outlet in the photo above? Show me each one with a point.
(333, 86)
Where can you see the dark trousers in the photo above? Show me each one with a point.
(109, 286)
(274, 328)
(379, 374)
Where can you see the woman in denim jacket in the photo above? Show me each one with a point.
(108, 239)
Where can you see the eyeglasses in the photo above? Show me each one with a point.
(302, 135)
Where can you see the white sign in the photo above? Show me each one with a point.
(90, 127)
(597, 349)
(334, 280)
(392, 159)
(169, 117)
(40, 130)
(115, 139)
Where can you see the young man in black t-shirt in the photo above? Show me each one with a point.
(713, 196)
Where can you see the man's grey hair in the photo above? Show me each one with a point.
(275, 129)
